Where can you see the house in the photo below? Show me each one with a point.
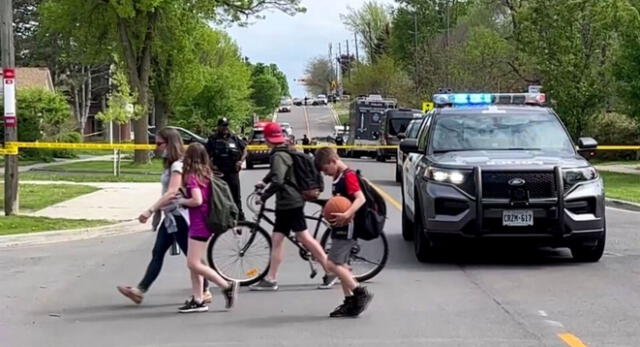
(33, 77)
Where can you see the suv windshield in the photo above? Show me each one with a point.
(500, 131)
(257, 136)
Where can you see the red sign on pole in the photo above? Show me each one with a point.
(9, 77)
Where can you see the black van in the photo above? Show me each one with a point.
(394, 122)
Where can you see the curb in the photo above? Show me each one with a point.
(45, 237)
(621, 204)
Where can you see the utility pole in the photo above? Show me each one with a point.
(10, 125)
(355, 39)
(415, 47)
(348, 59)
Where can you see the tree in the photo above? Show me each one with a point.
(384, 77)
(266, 93)
(572, 45)
(319, 75)
(372, 22)
(216, 84)
(130, 28)
(626, 66)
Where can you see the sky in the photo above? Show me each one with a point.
(291, 42)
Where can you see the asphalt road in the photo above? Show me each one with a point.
(64, 294)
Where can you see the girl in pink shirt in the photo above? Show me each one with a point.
(197, 175)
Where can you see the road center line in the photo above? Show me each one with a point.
(386, 196)
(571, 340)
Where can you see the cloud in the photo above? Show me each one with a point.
(291, 41)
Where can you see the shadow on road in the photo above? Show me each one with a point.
(477, 254)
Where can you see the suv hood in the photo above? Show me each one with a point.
(495, 159)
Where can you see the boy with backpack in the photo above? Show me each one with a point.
(343, 234)
(291, 187)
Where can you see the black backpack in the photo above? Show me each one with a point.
(309, 181)
(370, 218)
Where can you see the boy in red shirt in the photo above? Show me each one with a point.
(346, 184)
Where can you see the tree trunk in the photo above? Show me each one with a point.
(138, 65)
(162, 118)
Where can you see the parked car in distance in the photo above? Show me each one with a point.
(285, 105)
(188, 137)
(321, 99)
(287, 128)
(298, 101)
(256, 138)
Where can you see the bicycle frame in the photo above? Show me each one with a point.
(262, 216)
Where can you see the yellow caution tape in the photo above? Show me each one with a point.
(618, 148)
(9, 151)
(65, 145)
(11, 148)
(264, 147)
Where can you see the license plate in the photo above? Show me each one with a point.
(517, 218)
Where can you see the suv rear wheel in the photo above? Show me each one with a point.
(590, 254)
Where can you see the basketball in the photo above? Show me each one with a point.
(337, 204)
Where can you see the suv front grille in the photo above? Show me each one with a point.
(539, 185)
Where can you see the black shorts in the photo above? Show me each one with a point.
(287, 220)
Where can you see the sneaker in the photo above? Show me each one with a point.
(344, 310)
(191, 306)
(135, 294)
(207, 297)
(231, 293)
(362, 299)
(265, 286)
(328, 281)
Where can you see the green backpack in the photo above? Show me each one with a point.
(223, 212)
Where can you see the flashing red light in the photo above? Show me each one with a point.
(9, 73)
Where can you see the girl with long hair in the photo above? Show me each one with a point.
(175, 225)
(197, 176)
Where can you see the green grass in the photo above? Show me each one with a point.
(21, 162)
(38, 196)
(621, 186)
(26, 224)
(88, 177)
(342, 109)
(126, 167)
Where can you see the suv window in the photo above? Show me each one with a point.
(413, 128)
(536, 130)
(423, 134)
(257, 136)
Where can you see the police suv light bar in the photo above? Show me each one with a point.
(479, 99)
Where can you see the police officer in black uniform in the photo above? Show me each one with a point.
(227, 152)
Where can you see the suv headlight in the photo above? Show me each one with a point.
(576, 175)
(456, 177)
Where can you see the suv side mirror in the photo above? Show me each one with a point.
(409, 146)
(587, 143)
(402, 136)
(587, 147)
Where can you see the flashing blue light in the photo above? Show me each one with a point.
(480, 99)
(463, 99)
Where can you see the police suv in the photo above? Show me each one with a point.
(500, 166)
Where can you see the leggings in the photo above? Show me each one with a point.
(164, 241)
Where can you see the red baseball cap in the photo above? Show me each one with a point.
(273, 133)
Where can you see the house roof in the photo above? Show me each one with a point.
(33, 77)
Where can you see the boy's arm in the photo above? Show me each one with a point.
(276, 177)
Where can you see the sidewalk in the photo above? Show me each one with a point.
(114, 201)
(620, 168)
(59, 162)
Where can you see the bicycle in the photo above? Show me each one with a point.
(243, 253)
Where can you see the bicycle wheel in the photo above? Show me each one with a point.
(367, 258)
(225, 253)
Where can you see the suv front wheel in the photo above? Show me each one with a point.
(422, 246)
(590, 254)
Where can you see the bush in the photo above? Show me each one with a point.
(72, 137)
(41, 114)
(614, 129)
